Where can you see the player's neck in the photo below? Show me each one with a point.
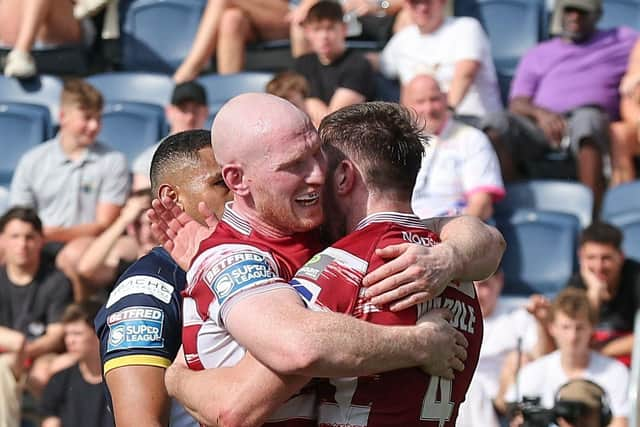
(376, 203)
(253, 218)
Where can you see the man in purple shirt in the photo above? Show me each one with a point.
(563, 95)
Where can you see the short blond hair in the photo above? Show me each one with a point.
(574, 303)
(79, 93)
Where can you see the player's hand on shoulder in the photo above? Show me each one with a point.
(444, 346)
(412, 275)
(177, 231)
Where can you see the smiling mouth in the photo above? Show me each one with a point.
(308, 199)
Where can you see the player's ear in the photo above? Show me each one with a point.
(344, 177)
(167, 190)
(235, 179)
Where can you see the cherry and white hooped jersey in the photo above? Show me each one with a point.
(331, 280)
(237, 261)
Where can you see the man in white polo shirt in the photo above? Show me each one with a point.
(460, 171)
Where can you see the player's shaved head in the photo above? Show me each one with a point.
(246, 127)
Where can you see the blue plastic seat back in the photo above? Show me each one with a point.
(131, 127)
(149, 88)
(220, 88)
(22, 127)
(629, 223)
(513, 26)
(42, 90)
(617, 13)
(621, 199)
(157, 34)
(541, 250)
(550, 195)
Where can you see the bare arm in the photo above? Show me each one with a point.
(52, 422)
(139, 396)
(106, 214)
(292, 340)
(553, 125)
(618, 346)
(619, 422)
(480, 204)
(96, 261)
(10, 339)
(52, 341)
(470, 250)
(243, 395)
(463, 76)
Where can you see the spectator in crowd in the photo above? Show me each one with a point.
(225, 29)
(455, 50)
(77, 184)
(113, 251)
(562, 96)
(25, 23)
(582, 403)
(33, 295)
(337, 76)
(74, 396)
(187, 110)
(460, 173)
(572, 322)
(612, 284)
(291, 86)
(507, 329)
(625, 134)
(372, 19)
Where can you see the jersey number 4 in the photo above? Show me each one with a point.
(437, 410)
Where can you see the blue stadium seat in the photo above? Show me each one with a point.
(157, 34)
(131, 127)
(43, 90)
(621, 199)
(549, 195)
(513, 27)
(221, 88)
(541, 250)
(629, 223)
(22, 126)
(618, 13)
(149, 88)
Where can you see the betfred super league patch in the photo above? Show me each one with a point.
(236, 272)
(135, 327)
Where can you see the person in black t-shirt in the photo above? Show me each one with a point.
(33, 295)
(337, 76)
(613, 287)
(74, 396)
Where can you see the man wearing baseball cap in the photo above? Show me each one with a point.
(188, 110)
(563, 95)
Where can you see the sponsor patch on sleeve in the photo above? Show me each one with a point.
(239, 271)
(135, 327)
(315, 266)
(147, 285)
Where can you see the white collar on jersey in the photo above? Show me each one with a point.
(408, 220)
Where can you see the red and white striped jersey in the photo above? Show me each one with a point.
(237, 261)
(331, 280)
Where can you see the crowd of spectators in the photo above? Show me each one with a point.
(75, 214)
